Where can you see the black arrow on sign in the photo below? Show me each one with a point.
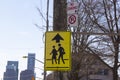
(57, 38)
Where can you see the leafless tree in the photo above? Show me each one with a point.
(99, 16)
(80, 59)
(105, 17)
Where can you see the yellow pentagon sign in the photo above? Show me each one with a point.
(58, 51)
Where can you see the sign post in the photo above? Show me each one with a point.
(58, 51)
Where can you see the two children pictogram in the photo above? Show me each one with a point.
(60, 52)
(57, 50)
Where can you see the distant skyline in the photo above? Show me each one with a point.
(29, 72)
(12, 70)
(19, 35)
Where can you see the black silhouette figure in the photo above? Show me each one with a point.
(61, 53)
(54, 54)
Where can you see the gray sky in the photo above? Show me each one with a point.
(19, 35)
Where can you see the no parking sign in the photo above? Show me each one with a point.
(72, 20)
(72, 14)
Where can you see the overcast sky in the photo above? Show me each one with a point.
(19, 35)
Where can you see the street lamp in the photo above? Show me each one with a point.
(40, 62)
(35, 59)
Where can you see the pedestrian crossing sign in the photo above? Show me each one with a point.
(57, 50)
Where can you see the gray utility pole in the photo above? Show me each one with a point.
(60, 15)
(59, 24)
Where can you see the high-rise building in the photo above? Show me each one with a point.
(29, 74)
(31, 61)
(11, 72)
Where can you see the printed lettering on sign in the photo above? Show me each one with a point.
(72, 7)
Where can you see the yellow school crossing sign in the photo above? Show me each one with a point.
(58, 51)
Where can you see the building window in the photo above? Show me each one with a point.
(102, 72)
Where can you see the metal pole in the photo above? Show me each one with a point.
(47, 21)
(47, 27)
(44, 78)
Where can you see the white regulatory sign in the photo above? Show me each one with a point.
(72, 20)
(72, 7)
